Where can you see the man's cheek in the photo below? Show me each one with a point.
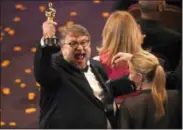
(88, 52)
(65, 53)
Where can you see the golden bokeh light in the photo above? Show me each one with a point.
(31, 96)
(23, 85)
(17, 81)
(11, 32)
(6, 91)
(28, 71)
(33, 49)
(105, 14)
(69, 23)
(5, 63)
(2, 34)
(12, 123)
(96, 1)
(42, 8)
(30, 110)
(73, 14)
(17, 48)
(2, 123)
(60, 28)
(16, 19)
(7, 29)
(20, 7)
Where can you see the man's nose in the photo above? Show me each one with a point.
(80, 47)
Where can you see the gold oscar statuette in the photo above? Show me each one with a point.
(50, 15)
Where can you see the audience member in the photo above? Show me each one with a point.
(153, 107)
(120, 34)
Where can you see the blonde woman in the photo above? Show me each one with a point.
(153, 107)
(120, 34)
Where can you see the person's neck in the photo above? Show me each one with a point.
(146, 86)
(151, 16)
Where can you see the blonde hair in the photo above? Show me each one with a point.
(148, 65)
(120, 34)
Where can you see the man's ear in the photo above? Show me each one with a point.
(61, 43)
(140, 77)
(63, 51)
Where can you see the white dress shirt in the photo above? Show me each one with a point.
(96, 87)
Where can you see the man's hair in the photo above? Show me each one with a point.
(75, 28)
(150, 5)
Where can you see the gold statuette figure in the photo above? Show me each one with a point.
(50, 14)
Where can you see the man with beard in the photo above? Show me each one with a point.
(162, 41)
(73, 90)
(125, 4)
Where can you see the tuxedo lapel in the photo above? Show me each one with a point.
(85, 89)
(84, 86)
(100, 80)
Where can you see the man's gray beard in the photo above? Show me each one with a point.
(80, 66)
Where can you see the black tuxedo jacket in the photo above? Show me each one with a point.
(67, 100)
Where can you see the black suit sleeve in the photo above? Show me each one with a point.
(103, 73)
(44, 70)
(121, 86)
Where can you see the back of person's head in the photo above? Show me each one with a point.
(147, 6)
(152, 73)
(120, 34)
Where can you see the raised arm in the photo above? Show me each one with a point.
(121, 86)
(45, 70)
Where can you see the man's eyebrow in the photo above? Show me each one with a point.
(73, 38)
(85, 40)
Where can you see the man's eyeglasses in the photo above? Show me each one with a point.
(75, 44)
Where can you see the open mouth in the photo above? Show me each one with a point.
(80, 56)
